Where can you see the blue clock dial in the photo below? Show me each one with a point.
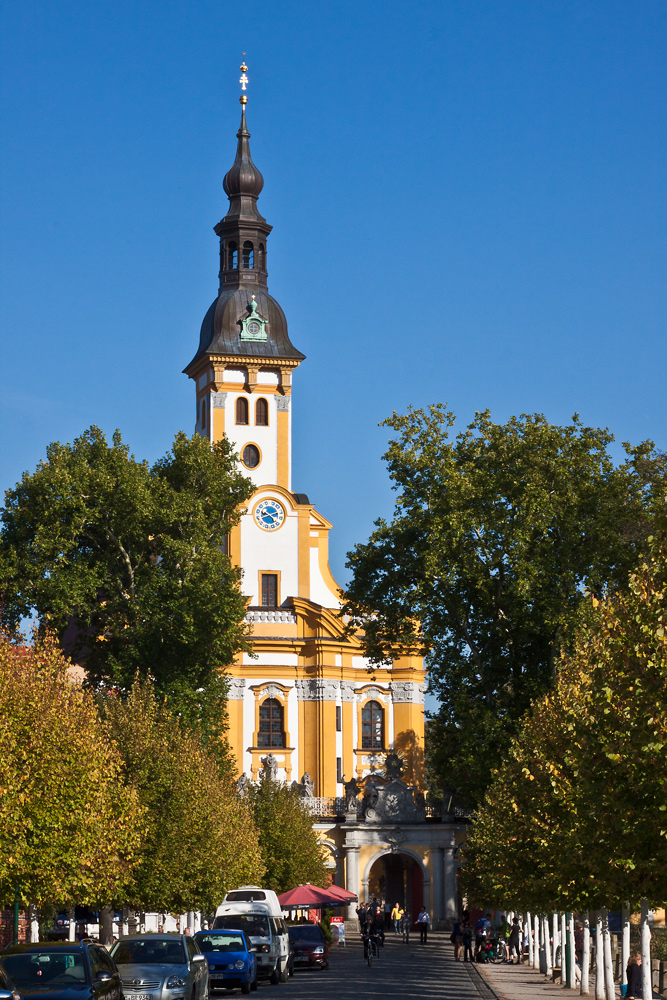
(269, 514)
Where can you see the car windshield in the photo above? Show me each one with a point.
(149, 952)
(253, 925)
(221, 942)
(305, 933)
(38, 969)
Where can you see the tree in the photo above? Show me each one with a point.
(575, 818)
(290, 849)
(70, 829)
(496, 535)
(200, 838)
(128, 564)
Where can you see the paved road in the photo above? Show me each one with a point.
(405, 972)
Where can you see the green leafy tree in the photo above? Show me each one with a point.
(128, 563)
(496, 535)
(577, 815)
(200, 837)
(70, 828)
(290, 848)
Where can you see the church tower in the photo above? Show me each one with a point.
(307, 697)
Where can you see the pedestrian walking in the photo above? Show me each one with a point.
(423, 920)
(515, 941)
(457, 940)
(467, 940)
(396, 915)
(387, 915)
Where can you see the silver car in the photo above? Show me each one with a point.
(161, 967)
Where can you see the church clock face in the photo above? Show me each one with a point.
(269, 514)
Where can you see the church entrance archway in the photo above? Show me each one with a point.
(397, 878)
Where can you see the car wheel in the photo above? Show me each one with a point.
(284, 973)
(253, 985)
(326, 965)
(245, 988)
(274, 978)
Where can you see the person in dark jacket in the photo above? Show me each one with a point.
(515, 942)
(635, 988)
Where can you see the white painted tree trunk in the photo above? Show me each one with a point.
(610, 989)
(586, 957)
(554, 943)
(646, 951)
(529, 932)
(625, 944)
(72, 925)
(563, 935)
(536, 942)
(548, 968)
(573, 956)
(33, 924)
(599, 959)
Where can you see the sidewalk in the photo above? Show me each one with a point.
(520, 982)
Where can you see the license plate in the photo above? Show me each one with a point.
(141, 996)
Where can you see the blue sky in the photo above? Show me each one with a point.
(468, 201)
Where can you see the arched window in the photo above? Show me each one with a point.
(233, 257)
(261, 257)
(271, 727)
(372, 726)
(262, 413)
(248, 254)
(241, 410)
(250, 456)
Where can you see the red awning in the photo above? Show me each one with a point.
(344, 895)
(309, 895)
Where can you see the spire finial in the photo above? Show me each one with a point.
(243, 80)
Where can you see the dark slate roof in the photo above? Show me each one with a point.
(221, 329)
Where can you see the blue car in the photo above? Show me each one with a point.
(231, 960)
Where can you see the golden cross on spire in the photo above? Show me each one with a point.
(243, 80)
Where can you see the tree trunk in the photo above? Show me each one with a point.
(646, 951)
(548, 968)
(529, 928)
(536, 942)
(625, 944)
(608, 965)
(554, 943)
(563, 959)
(573, 955)
(586, 956)
(33, 924)
(599, 959)
(72, 925)
(106, 925)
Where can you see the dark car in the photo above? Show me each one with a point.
(7, 991)
(309, 946)
(231, 960)
(58, 970)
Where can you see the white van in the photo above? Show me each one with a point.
(258, 912)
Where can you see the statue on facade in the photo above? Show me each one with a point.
(269, 767)
(242, 785)
(351, 793)
(393, 767)
(307, 786)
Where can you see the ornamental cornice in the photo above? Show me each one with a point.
(236, 688)
(218, 400)
(346, 691)
(317, 689)
(407, 692)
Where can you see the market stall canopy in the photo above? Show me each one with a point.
(344, 895)
(310, 895)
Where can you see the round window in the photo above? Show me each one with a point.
(253, 328)
(250, 456)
